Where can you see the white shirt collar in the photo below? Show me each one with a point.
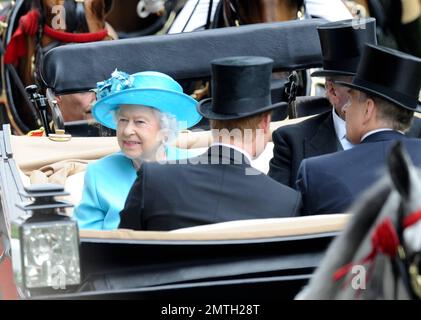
(339, 124)
(340, 129)
(377, 130)
(244, 152)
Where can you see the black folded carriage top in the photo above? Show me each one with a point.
(292, 45)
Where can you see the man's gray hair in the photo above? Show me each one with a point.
(335, 78)
(398, 118)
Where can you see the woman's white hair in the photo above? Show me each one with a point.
(168, 125)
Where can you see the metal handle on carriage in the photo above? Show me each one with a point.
(291, 90)
(55, 110)
(39, 101)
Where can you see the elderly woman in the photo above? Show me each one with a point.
(146, 109)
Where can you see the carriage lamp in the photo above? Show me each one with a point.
(45, 242)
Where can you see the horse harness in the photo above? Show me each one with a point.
(409, 266)
(61, 37)
(388, 240)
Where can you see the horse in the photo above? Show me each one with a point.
(239, 12)
(134, 18)
(378, 255)
(47, 24)
(392, 19)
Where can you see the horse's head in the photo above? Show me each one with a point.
(378, 254)
(405, 178)
(239, 12)
(407, 181)
(80, 16)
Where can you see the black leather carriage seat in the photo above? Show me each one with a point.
(309, 105)
(278, 94)
(88, 128)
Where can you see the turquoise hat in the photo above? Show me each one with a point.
(148, 88)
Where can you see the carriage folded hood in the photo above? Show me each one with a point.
(78, 67)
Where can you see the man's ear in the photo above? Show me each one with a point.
(330, 91)
(265, 123)
(370, 111)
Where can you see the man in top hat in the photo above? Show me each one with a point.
(342, 43)
(382, 100)
(219, 185)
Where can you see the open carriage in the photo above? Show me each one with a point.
(245, 259)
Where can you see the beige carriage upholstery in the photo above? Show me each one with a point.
(32, 153)
(234, 230)
(41, 160)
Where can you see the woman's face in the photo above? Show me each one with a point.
(138, 132)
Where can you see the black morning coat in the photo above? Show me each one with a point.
(218, 186)
(330, 183)
(312, 137)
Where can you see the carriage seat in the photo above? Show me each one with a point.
(43, 152)
(310, 105)
(234, 230)
(87, 128)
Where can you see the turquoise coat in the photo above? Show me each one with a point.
(107, 184)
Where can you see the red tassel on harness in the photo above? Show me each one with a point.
(411, 219)
(384, 239)
(28, 26)
(16, 49)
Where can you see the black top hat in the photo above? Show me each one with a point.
(342, 43)
(240, 88)
(389, 74)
